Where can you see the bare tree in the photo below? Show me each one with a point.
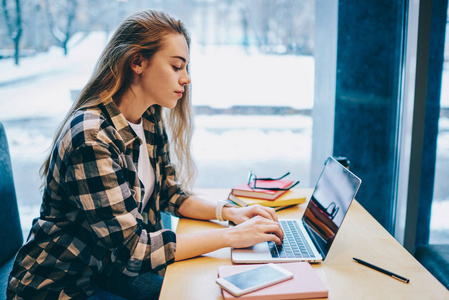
(282, 27)
(15, 30)
(245, 25)
(102, 15)
(61, 12)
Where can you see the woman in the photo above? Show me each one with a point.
(99, 234)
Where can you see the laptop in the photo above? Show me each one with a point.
(310, 238)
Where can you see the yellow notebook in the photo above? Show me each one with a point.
(291, 197)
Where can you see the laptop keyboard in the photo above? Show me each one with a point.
(293, 245)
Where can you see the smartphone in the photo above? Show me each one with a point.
(254, 279)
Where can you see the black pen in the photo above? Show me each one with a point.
(396, 276)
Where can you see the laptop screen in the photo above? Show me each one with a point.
(329, 204)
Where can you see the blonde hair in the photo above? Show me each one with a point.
(141, 33)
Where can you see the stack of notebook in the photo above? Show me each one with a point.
(266, 189)
(288, 198)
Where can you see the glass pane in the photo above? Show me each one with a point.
(253, 81)
(439, 223)
(252, 70)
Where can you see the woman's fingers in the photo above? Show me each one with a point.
(242, 214)
(274, 238)
(271, 212)
(257, 230)
(266, 212)
(274, 234)
(269, 226)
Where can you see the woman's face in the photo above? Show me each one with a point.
(165, 76)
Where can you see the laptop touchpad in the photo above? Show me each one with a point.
(257, 252)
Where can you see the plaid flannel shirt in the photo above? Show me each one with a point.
(91, 217)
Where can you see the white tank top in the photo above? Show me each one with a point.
(144, 169)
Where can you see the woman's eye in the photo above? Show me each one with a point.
(176, 68)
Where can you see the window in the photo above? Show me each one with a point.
(253, 85)
(277, 86)
(252, 68)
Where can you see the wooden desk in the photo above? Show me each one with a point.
(360, 236)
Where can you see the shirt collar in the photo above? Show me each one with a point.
(121, 124)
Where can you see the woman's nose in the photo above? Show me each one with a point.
(184, 80)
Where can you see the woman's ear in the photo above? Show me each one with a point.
(137, 64)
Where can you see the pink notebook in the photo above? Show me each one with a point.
(304, 284)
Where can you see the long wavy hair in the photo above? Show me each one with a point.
(141, 33)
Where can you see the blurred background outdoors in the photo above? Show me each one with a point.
(252, 69)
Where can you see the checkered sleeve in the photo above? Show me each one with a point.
(95, 179)
(171, 194)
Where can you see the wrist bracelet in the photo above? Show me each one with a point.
(219, 209)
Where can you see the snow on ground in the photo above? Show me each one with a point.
(43, 83)
(226, 76)
(216, 134)
(220, 78)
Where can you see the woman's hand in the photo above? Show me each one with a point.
(254, 231)
(246, 234)
(238, 215)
